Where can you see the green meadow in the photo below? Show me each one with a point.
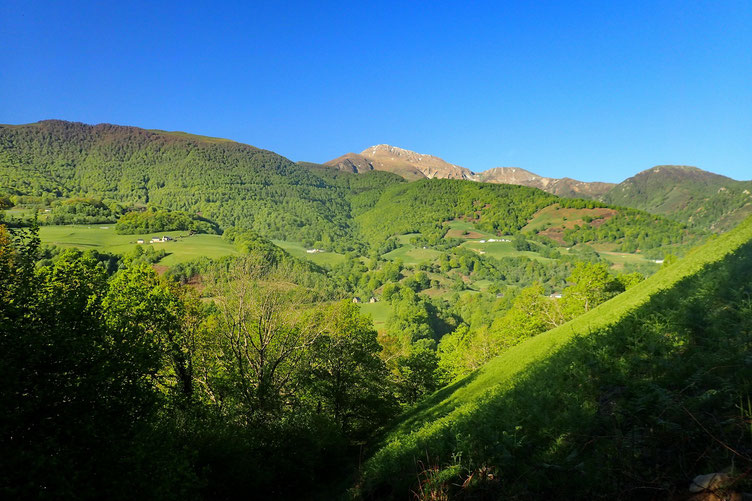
(103, 238)
(379, 312)
(500, 250)
(321, 258)
(411, 255)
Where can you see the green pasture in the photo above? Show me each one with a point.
(320, 258)
(405, 239)
(459, 225)
(411, 255)
(499, 250)
(619, 259)
(379, 312)
(103, 238)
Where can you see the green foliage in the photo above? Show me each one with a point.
(347, 376)
(423, 206)
(154, 220)
(619, 399)
(76, 386)
(417, 372)
(230, 183)
(84, 211)
(134, 373)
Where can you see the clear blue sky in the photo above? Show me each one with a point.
(593, 90)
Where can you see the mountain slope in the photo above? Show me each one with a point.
(406, 163)
(229, 182)
(425, 206)
(564, 187)
(351, 162)
(686, 194)
(413, 166)
(611, 403)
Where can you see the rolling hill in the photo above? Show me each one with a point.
(228, 182)
(239, 185)
(687, 194)
(425, 206)
(633, 398)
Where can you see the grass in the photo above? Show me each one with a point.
(379, 312)
(321, 258)
(431, 421)
(103, 238)
(411, 255)
(619, 259)
(19, 212)
(457, 227)
(499, 250)
(555, 216)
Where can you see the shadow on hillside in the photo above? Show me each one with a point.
(435, 406)
(634, 410)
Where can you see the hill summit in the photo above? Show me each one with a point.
(413, 166)
(408, 164)
(687, 194)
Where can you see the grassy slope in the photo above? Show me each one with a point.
(321, 258)
(432, 422)
(103, 238)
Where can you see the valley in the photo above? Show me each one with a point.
(448, 297)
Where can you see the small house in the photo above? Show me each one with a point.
(140, 241)
(166, 238)
(555, 295)
(155, 240)
(356, 299)
(373, 300)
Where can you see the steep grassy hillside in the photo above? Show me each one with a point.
(228, 182)
(687, 194)
(630, 400)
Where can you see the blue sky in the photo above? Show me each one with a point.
(591, 90)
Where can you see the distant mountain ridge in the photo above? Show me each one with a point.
(412, 166)
(564, 187)
(686, 194)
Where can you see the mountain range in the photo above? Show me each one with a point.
(686, 194)
(183, 171)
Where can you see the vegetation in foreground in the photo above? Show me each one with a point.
(630, 400)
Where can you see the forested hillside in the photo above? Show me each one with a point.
(687, 194)
(231, 183)
(55, 163)
(424, 206)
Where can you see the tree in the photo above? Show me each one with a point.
(347, 378)
(79, 402)
(592, 285)
(262, 338)
(417, 372)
